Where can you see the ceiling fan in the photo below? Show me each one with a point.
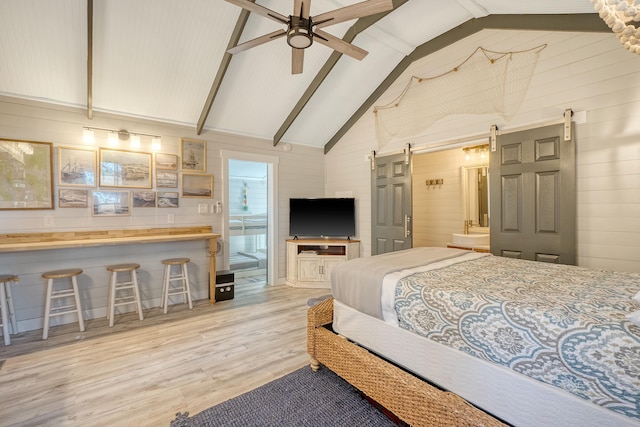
(302, 29)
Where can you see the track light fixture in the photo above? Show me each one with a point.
(114, 136)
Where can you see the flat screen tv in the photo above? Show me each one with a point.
(322, 217)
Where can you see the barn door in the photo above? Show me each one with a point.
(533, 199)
(391, 203)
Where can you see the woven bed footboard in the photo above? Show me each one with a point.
(406, 396)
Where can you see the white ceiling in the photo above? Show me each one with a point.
(158, 59)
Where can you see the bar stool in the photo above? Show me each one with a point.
(6, 305)
(182, 277)
(115, 286)
(62, 294)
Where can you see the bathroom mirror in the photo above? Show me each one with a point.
(475, 189)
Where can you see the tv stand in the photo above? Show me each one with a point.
(310, 261)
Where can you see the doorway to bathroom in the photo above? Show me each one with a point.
(249, 227)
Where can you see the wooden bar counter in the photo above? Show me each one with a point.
(22, 242)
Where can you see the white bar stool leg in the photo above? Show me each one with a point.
(5, 317)
(47, 310)
(165, 287)
(11, 308)
(185, 278)
(112, 298)
(77, 297)
(136, 292)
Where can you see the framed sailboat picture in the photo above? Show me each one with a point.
(193, 155)
(76, 167)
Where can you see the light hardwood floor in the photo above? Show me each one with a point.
(141, 373)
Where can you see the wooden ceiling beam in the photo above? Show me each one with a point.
(588, 22)
(90, 59)
(359, 26)
(222, 69)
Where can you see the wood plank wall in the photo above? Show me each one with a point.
(36, 121)
(581, 71)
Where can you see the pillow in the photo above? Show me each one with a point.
(634, 317)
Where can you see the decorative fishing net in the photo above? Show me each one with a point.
(486, 82)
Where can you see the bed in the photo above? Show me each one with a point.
(246, 225)
(566, 354)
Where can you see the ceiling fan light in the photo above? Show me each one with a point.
(299, 38)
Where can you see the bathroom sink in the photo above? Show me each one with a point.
(471, 239)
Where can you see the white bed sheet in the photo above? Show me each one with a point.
(505, 394)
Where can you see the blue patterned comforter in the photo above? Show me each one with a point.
(562, 325)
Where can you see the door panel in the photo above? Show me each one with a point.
(511, 203)
(391, 204)
(533, 211)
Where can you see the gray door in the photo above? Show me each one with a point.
(391, 204)
(533, 198)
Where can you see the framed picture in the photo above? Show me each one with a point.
(166, 179)
(76, 167)
(193, 155)
(125, 169)
(26, 174)
(197, 185)
(144, 199)
(166, 161)
(168, 199)
(111, 203)
(73, 198)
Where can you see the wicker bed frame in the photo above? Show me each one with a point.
(406, 396)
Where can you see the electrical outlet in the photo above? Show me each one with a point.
(170, 218)
(203, 208)
(48, 221)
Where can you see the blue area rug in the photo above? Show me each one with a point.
(301, 398)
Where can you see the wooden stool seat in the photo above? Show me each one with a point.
(61, 274)
(118, 268)
(62, 294)
(115, 286)
(4, 278)
(175, 261)
(182, 278)
(6, 306)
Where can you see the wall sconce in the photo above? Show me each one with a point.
(114, 136)
(482, 149)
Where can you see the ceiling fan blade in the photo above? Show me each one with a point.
(340, 45)
(301, 6)
(257, 41)
(297, 60)
(358, 10)
(260, 10)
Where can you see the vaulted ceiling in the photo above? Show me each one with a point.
(166, 60)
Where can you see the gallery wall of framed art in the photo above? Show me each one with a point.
(111, 182)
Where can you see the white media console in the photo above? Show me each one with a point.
(309, 261)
